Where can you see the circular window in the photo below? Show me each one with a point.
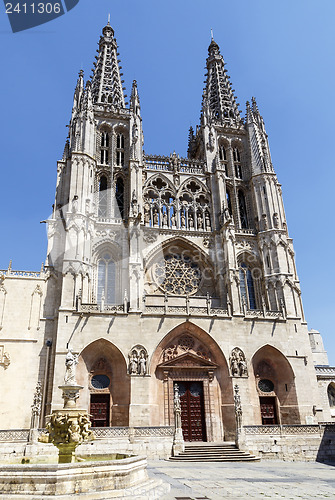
(265, 385)
(100, 381)
(177, 275)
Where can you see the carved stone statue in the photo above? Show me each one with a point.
(71, 362)
(191, 222)
(138, 358)
(200, 222)
(142, 364)
(165, 219)
(238, 407)
(265, 222)
(133, 363)
(275, 220)
(238, 365)
(177, 408)
(173, 220)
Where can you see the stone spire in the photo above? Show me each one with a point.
(260, 151)
(135, 99)
(106, 80)
(219, 103)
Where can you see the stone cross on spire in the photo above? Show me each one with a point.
(106, 80)
(219, 103)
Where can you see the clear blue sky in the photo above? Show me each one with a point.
(282, 52)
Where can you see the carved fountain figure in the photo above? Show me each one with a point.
(69, 427)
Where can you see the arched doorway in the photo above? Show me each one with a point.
(275, 386)
(102, 370)
(190, 358)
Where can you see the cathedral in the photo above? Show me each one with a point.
(163, 271)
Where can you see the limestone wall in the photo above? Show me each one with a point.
(295, 443)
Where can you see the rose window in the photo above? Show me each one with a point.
(177, 275)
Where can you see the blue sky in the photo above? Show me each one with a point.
(282, 52)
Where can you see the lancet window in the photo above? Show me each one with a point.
(247, 287)
(228, 198)
(103, 197)
(120, 150)
(243, 210)
(106, 279)
(237, 163)
(119, 195)
(104, 148)
(223, 158)
(331, 395)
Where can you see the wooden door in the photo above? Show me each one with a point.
(268, 411)
(99, 410)
(192, 411)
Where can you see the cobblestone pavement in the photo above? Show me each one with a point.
(265, 479)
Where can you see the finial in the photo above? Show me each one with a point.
(109, 18)
(212, 37)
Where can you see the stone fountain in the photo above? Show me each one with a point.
(69, 427)
(95, 479)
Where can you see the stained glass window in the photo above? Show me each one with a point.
(106, 279)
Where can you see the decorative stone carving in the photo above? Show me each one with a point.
(186, 343)
(138, 359)
(178, 439)
(238, 365)
(275, 220)
(4, 358)
(238, 407)
(71, 362)
(149, 237)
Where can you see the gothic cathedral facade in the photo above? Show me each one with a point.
(164, 270)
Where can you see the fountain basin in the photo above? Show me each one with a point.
(120, 478)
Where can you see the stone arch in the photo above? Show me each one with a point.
(102, 357)
(188, 353)
(181, 246)
(275, 383)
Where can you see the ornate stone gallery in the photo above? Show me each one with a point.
(165, 275)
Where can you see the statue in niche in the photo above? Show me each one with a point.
(138, 358)
(238, 365)
(156, 219)
(142, 364)
(183, 220)
(146, 215)
(165, 219)
(173, 220)
(275, 220)
(133, 363)
(265, 222)
(200, 222)
(191, 222)
(71, 362)
(207, 222)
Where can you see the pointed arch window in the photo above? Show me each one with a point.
(243, 210)
(102, 210)
(119, 195)
(228, 198)
(237, 163)
(106, 279)
(331, 395)
(223, 158)
(247, 287)
(120, 150)
(104, 148)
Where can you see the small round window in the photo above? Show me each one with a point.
(265, 385)
(100, 381)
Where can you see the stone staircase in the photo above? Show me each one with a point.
(216, 452)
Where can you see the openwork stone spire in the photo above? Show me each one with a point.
(106, 80)
(219, 103)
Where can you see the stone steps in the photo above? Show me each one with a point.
(214, 453)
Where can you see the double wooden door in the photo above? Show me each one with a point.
(99, 410)
(192, 411)
(268, 411)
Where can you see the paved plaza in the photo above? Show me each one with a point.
(265, 479)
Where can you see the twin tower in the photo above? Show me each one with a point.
(164, 270)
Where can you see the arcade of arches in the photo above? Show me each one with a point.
(190, 357)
